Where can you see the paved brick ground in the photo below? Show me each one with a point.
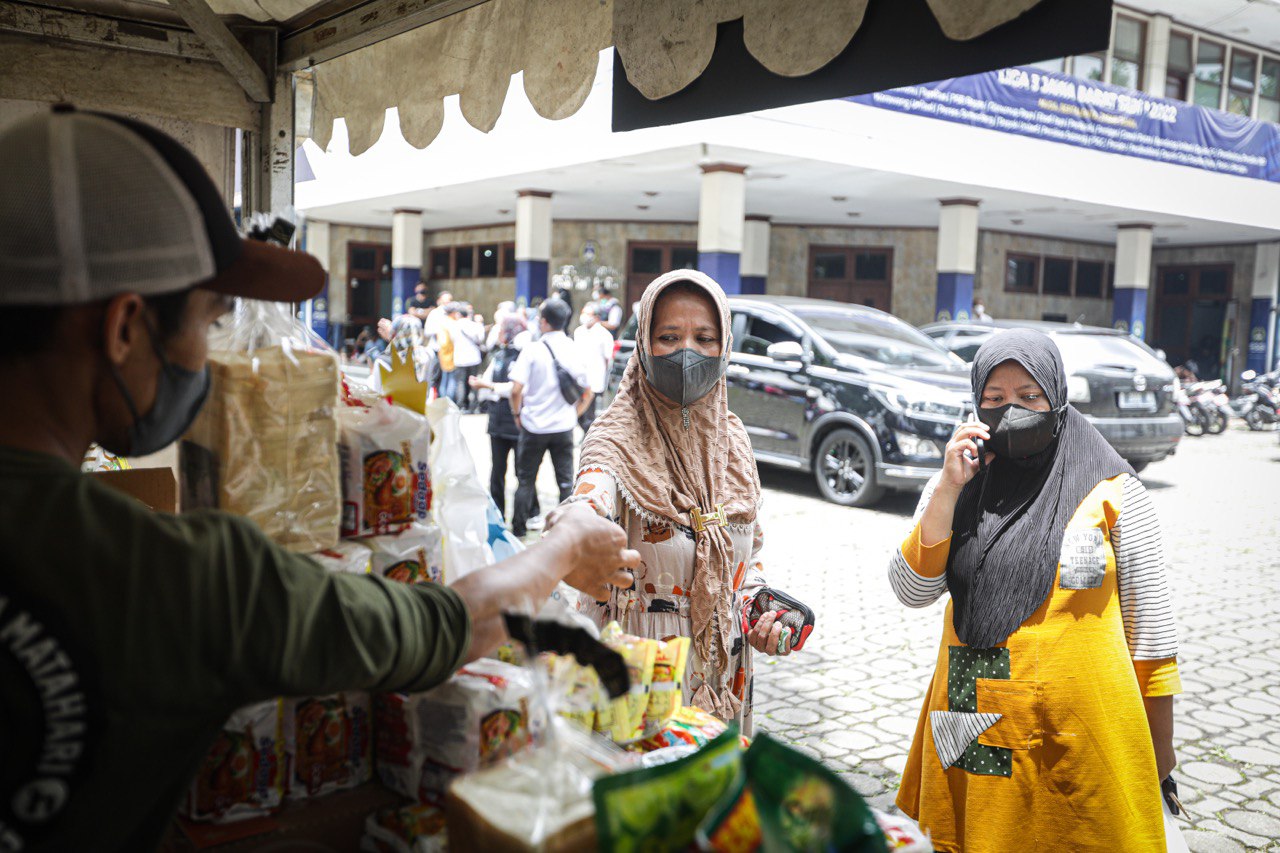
(853, 696)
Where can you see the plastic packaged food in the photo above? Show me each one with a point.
(689, 726)
(347, 557)
(628, 712)
(660, 808)
(328, 743)
(265, 445)
(410, 829)
(902, 834)
(666, 692)
(242, 775)
(386, 482)
(475, 719)
(412, 556)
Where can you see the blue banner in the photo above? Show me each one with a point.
(1045, 105)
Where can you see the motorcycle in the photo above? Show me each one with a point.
(1210, 404)
(1193, 421)
(1259, 403)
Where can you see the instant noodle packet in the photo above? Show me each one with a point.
(415, 555)
(328, 742)
(347, 557)
(640, 654)
(666, 694)
(242, 775)
(386, 482)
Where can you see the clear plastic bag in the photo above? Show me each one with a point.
(265, 446)
(461, 499)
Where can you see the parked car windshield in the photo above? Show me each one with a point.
(878, 338)
(1084, 351)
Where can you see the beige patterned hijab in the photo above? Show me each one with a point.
(669, 461)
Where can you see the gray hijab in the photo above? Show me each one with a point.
(1010, 519)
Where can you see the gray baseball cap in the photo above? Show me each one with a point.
(95, 205)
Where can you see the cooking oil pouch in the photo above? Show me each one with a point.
(657, 809)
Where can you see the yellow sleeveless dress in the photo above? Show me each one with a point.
(1068, 763)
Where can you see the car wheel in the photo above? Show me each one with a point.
(844, 468)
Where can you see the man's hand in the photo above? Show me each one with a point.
(597, 547)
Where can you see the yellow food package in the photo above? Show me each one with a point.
(629, 710)
(666, 694)
(575, 686)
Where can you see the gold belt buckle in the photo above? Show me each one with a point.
(715, 518)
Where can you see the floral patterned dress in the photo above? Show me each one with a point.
(657, 606)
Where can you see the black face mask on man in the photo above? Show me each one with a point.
(1018, 432)
(180, 394)
(684, 376)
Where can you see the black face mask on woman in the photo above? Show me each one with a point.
(684, 376)
(1018, 432)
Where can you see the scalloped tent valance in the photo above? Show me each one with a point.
(664, 45)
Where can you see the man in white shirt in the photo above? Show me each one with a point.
(467, 336)
(596, 346)
(546, 419)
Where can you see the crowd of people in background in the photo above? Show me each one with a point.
(534, 370)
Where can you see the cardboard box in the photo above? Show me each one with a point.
(155, 487)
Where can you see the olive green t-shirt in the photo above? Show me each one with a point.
(128, 636)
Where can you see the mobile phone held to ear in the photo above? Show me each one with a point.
(982, 454)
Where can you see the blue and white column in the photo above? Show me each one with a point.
(1133, 278)
(755, 253)
(957, 258)
(721, 224)
(315, 242)
(1262, 314)
(406, 256)
(533, 244)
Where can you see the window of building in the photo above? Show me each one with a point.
(859, 275)
(684, 257)
(441, 261)
(464, 262)
(1210, 59)
(830, 265)
(1127, 53)
(1244, 69)
(1057, 277)
(1269, 91)
(1089, 66)
(509, 259)
(871, 266)
(1178, 73)
(1021, 274)
(1089, 275)
(487, 263)
(646, 260)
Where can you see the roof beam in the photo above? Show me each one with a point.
(86, 28)
(226, 47)
(361, 26)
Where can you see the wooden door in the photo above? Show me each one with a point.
(369, 290)
(1192, 315)
(647, 260)
(854, 274)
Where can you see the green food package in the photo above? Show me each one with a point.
(658, 809)
(799, 805)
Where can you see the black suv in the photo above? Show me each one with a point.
(1120, 384)
(855, 395)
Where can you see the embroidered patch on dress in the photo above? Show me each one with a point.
(965, 666)
(1083, 561)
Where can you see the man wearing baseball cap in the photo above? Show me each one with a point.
(128, 636)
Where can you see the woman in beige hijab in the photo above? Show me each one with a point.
(673, 466)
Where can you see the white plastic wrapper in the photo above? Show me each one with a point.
(386, 481)
(328, 743)
(265, 445)
(478, 717)
(243, 773)
(347, 558)
(462, 500)
(414, 555)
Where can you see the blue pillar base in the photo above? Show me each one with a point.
(725, 268)
(955, 297)
(1130, 314)
(403, 281)
(531, 280)
(1259, 323)
(753, 284)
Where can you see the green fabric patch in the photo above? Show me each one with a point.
(965, 666)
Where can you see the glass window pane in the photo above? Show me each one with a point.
(1057, 276)
(1176, 283)
(509, 260)
(1130, 34)
(1213, 282)
(440, 263)
(1020, 274)
(1243, 67)
(464, 262)
(1088, 66)
(364, 259)
(1209, 67)
(1269, 82)
(871, 266)
(684, 258)
(1269, 110)
(1208, 94)
(1088, 278)
(646, 260)
(1180, 52)
(488, 267)
(1125, 73)
(1239, 103)
(830, 265)
(1175, 88)
(362, 298)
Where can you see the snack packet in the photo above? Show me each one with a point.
(328, 743)
(689, 726)
(666, 692)
(660, 808)
(628, 711)
(577, 687)
(409, 829)
(347, 557)
(242, 775)
(386, 482)
(412, 556)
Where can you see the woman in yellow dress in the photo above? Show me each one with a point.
(1049, 721)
